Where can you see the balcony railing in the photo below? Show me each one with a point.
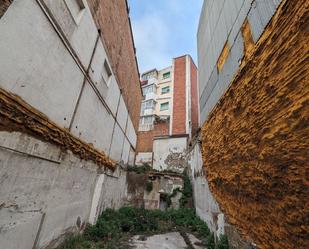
(145, 127)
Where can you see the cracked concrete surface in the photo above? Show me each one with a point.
(163, 241)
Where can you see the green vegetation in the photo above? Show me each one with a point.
(187, 191)
(149, 186)
(114, 228)
(140, 169)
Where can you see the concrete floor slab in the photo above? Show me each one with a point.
(163, 241)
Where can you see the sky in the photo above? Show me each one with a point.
(164, 29)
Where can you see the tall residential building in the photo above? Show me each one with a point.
(169, 112)
(157, 92)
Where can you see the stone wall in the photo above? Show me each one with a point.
(255, 140)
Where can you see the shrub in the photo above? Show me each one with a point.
(223, 242)
(149, 186)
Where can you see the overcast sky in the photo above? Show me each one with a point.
(164, 29)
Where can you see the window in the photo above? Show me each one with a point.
(106, 73)
(149, 104)
(146, 120)
(166, 75)
(76, 8)
(165, 90)
(164, 106)
(148, 89)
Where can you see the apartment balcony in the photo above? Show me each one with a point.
(151, 95)
(152, 81)
(148, 112)
(145, 127)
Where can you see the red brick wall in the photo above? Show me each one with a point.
(112, 18)
(194, 99)
(4, 4)
(145, 138)
(179, 102)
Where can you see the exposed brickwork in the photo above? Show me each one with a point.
(255, 142)
(112, 18)
(4, 4)
(145, 138)
(194, 98)
(179, 102)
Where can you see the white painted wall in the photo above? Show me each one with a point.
(143, 157)
(169, 153)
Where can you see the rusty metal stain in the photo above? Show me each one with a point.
(17, 115)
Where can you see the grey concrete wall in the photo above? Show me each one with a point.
(49, 74)
(44, 192)
(205, 204)
(221, 22)
(169, 153)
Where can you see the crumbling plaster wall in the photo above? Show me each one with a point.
(169, 153)
(255, 140)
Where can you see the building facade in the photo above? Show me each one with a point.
(68, 125)
(157, 92)
(253, 86)
(169, 114)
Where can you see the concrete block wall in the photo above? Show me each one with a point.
(55, 61)
(220, 24)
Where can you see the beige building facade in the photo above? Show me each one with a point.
(157, 90)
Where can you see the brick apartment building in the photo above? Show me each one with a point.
(169, 113)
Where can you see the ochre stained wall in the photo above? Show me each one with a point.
(255, 142)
